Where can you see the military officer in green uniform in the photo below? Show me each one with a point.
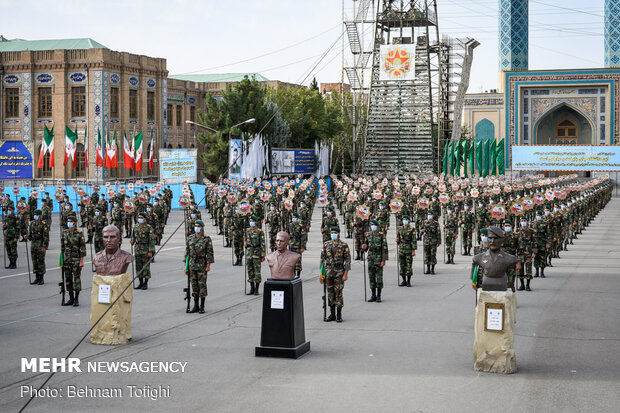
(542, 244)
(337, 258)
(11, 235)
(451, 231)
(273, 219)
(468, 225)
(511, 247)
(39, 234)
(432, 240)
(73, 253)
(299, 237)
(237, 230)
(407, 244)
(376, 245)
(255, 250)
(526, 245)
(118, 216)
(99, 222)
(199, 249)
(143, 239)
(330, 221)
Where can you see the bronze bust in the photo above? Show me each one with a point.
(494, 262)
(112, 260)
(282, 261)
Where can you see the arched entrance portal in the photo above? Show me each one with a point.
(564, 126)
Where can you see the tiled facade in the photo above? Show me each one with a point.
(513, 35)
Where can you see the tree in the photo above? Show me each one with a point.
(314, 85)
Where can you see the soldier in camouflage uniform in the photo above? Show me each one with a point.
(199, 249)
(511, 247)
(337, 258)
(468, 224)
(39, 234)
(118, 216)
(360, 227)
(160, 219)
(526, 243)
(542, 244)
(451, 233)
(144, 240)
(483, 218)
(98, 224)
(255, 250)
(432, 240)
(349, 215)
(273, 219)
(299, 238)
(229, 213)
(407, 244)
(330, 221)
(73, 253)
(376, 245)
(24, 218)
(11, 235)
(46, 208)
(238, 230)
(33, 202)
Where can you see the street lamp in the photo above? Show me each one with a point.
(251, 120)
(189, 122)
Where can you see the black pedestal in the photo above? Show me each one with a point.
(282, 329)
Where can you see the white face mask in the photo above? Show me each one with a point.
(294, 219)
(466, 208)
(193, 216)
(148, 210)
(484, 239)
(547, 212)
(538, 218)
(155, 203)
(115, 205)
(373, 227)
(96, 213)
(405, 222)
(507, 229)
(380, 206)
(67, 207)
(301, 205)
(197, 230)
(272, 208)
(430, 217)
(555, 209)
(480, 205)
(36, 217)
(70, 224)
(523, 224)
(140, 220)
(329, 214)
(449, 212)
(334, 237)
(252, 223)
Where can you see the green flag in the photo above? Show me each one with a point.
(492, 165)
(186, 264)
(479, 157)
(499, 158)
(445, 158)
(323, 270)
(451, 157)
(485, 159)
(465, 153)
(472, 165)
(61, 260)
(457, 159)
(474, 278)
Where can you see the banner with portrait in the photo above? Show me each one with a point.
(235, 159)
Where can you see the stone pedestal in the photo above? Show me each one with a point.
(115, 327)
(493, 350)
(282, 330)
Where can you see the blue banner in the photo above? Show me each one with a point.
(292, 161)
(177, 165)
(15, 161)
(566, 158)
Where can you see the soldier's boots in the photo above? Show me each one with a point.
(522, 286)
(409, 281)
(542, 273)
(357, 256)
(70, 302)
(202, 305)
(12, 264)
(227, 243)
(195, 307)
(339, 315)
(90, 239)
(527, 287)
(428, 269)
(433, 269)
(378, 295)
(76, 301)
(252, 287)
(140, 284)
(36, 280)
(145, 285)
(41, 282)
(536, 275)
(332, 315)
(256, 290)
(403, 283)
(373, 297)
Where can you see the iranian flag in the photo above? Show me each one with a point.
(110, 152)
(99, 150)
(138, 148)
(47, 147)
(151, 152)
(128, 153)
(70, 146)
(86, 148)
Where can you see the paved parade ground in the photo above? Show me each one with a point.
(412, 352)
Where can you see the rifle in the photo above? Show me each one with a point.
(445, 236)
(364, 263)
(4, 238)
(28, 261)
(186, 290)
(61, 284)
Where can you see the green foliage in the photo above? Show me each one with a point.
(314, 85)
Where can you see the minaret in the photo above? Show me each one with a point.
(514, 35)
(612, 33)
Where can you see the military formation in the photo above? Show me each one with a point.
(540, 218)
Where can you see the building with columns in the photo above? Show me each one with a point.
(547, 107)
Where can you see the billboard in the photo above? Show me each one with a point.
(292, 161)
(397, 62)
(235, 159)
(566, 158)
(15, 161)
(178, 165)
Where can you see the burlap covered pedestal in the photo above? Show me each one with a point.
(493, 350)
(115, 327)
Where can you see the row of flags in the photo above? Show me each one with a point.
(486, 157)
(132, 149)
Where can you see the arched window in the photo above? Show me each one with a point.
(484, 130)
(80, 170)
(566, 130)
(169, 146)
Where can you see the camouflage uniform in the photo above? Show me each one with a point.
(542, 243)
(432, 238)
(11, 235)
(451, 228)
(143, 240)
(407, 243)
(255, 250)
(511, 246)
(99, 222)
(468, 221)
(360, 227)
(118, 216)
(199, 249)
(330, 221)
(337, 259)
(273, 219)
(238, 229)
(376, 246)
(526, 244)
(299, 238)
(73, 250)
(39, 235)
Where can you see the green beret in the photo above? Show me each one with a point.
(374, 221)
(507, 221)
(99, 208)
(335, 229)
(72, 218)
(10, 206)
(199, 222)
(523, 218)
(295, 214)
(484, 231)
(143, 214)
(539, 212)
(149, 205)
(38, 212)
(254, 218)
(406, 217)
(331, 208)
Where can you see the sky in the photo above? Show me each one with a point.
(294, 40)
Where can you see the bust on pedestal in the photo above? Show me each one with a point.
(496, 309)
(282, 328)
(109, 282)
